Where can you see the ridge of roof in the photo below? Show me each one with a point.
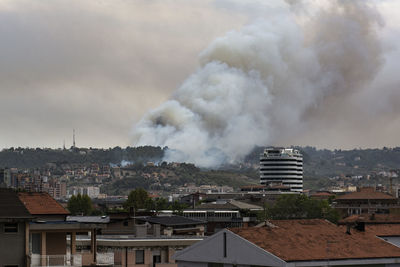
(365, 193)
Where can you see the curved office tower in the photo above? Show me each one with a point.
(282, 166)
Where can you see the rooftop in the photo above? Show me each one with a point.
(228, 205)
(172, 220)
(11, 207)
(365, 193)
(372, 219)
(41, 204)
(306, 240)
(88, 219)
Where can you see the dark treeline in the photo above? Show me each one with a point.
(39, 157)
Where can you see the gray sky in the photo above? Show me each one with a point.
(98, 66)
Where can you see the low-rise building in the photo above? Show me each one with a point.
(34, 232)
(290, 243)
(365, 200)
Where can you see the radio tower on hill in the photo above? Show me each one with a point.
(73, 138)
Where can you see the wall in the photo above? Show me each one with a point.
(56, 243)
(12, 246)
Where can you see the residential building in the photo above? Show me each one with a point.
(174, 225)
(224, 213)
(14, 228)
(131, 251)
(282, 167)
(365, 200)
(290, 243)
(34, 232)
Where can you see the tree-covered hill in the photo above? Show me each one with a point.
(38, 157)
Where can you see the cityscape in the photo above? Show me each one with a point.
(218, 133)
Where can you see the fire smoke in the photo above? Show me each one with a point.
(260, 85)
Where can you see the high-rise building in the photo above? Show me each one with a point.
(282, 167)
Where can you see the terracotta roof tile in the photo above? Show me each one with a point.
(41, 204)
(372, 219)
(306, 240)
(365, 193)
(383, 229)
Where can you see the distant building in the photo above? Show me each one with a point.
(282, 167)
(366, 200)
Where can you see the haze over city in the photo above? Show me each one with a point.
(224, 74)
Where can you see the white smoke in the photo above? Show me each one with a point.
(259, 85)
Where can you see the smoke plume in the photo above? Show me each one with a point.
(266, 82)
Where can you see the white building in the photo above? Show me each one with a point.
(282, 167)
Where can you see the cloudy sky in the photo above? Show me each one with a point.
(99, 66)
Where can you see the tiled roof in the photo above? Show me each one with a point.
(307, 240)
(366, 193)
(372, 219)
(41, 204)
(383, 229)
(11, 207)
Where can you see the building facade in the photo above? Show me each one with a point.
(282, 167)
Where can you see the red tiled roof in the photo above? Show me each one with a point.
(306, 240)
(41, 204)
(383, 229)
(372, 219)
(366, 193)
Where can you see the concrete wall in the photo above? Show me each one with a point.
(12, 246)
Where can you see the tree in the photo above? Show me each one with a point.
(177, 208)
(160, 204)
(80, 205)
(300, 207)
(139, 199)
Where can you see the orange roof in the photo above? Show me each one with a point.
(306, 240)
(383, 229)
(41, 204)
(366, 193)
(372, 219)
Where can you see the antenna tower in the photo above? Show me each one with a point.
(73, 138)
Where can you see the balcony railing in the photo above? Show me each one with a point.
(68, 260)
(105, 258)
(37, 260)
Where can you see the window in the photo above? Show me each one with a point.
(211, 264)
(126, 223)
(36, 243)
(11, 265)
(10, 228)
(139, 254)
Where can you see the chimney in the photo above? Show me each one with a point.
(360, 226)
(348, 229)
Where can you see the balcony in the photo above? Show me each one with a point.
(37, 260)
(76, 260)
